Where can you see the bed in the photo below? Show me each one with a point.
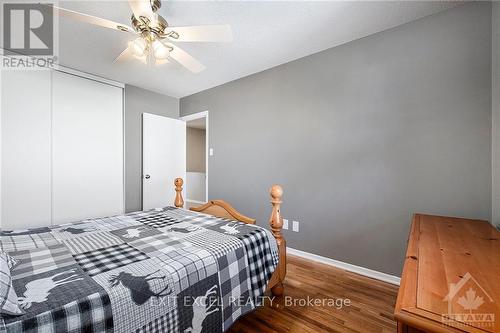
(163, 270)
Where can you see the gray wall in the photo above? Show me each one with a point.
(138, 101)
(495, 27)
(195, 150)
(361, 136)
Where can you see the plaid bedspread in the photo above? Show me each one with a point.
(164, 270)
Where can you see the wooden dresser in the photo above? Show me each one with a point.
(451, 277)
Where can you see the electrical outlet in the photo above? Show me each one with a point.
(285, 224)
(295, 226)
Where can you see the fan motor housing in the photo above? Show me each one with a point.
(144, 25)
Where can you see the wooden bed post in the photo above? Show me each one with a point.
(179, 202)
(276, 223)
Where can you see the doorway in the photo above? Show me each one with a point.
(196, 182)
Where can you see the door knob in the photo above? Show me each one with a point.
(147, 176)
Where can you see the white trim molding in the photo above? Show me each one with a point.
(193, 116)
(345, 266)
(198, 115)
(68, 70)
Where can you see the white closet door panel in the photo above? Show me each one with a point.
(25, 141)
(87, 149)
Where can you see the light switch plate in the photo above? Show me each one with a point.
(211, 152)
(285, 224)
(295, 226)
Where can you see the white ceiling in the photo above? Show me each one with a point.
(266, 34)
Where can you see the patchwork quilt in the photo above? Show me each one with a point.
(163, 270)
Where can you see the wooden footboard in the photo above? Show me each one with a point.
(221, 208)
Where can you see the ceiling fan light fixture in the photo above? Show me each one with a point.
(160, 51)
(138, 47)
(161, 61)
(153, 34)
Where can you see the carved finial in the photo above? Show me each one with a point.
(276, 221)
(276, 193)
(276, 224)
(179, 202)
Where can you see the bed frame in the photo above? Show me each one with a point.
(221, 208)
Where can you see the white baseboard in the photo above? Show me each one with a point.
(348, 267)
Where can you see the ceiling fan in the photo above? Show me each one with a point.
(153, 36)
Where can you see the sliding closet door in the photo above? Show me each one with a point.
(25, 147)
(87, 149)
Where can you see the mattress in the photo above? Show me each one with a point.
(163, 270)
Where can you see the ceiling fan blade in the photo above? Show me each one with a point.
(91, 19)
(141, 8)
(124, 56)
(185, 59)
(201, 33)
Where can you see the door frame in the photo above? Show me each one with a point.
(194, 116)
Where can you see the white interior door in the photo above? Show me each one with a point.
(163, 158)
(87, 149)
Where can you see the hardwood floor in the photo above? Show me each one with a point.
(371, 303)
